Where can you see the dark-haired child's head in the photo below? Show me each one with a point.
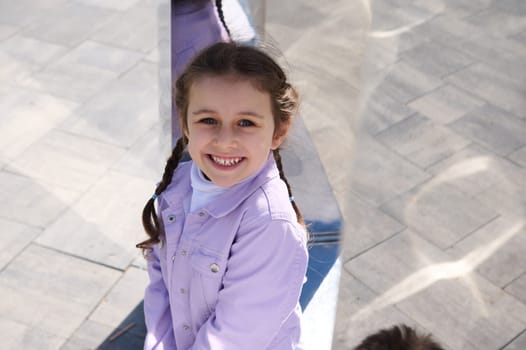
(244, 63)
(399, 337)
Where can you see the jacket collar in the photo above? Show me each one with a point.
(230, 199)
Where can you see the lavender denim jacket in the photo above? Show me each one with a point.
(228, 276)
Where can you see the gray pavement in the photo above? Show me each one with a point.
(416, 108)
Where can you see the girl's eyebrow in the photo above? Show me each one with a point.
(210, 111)
(252, 114)
(204, 111)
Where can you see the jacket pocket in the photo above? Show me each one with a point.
(206, 282)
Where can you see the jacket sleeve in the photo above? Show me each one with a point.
(261, 288)
(159, 335)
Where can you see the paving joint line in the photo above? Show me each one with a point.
(79, 257)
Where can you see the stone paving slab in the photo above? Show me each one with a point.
(519, 156)
(413, 274)
(475, 170)
(102, 56)
(500, 244)
(515, 7)
(16, 335)
(440, 213)
(72, 161)
(70, 81)
(20, 108)
(383, 111)
(88, 336)
(104, 225)
(24, 12)
(69, 24)
(24, 200)
(493, 86)
(517, 288)
(517, 344)
(127, 293)
(446, 104)
(405, 82)
(47, 289)
(503, 20)
(421, 141)
(497, 52)
(463, 8)
(435, 59)
(13, 70)
(383, 52)
(379, 174)
(142, 159)
(7, 30)
(519, 38)
(511, 200)
(32, 51)
(134, 29)
(111, 4)
(15, 237)
(133, 110)
(389, 15)
(449, 30)
(493, 128)
(367, 227)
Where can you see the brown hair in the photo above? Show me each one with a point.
(400, 337)
(223, 59)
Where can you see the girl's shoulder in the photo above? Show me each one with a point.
(271, 200)
(269, 210)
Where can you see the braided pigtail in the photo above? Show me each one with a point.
(219, 7)
(150, 221)
(277, 158)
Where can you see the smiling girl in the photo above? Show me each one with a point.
(227, 245)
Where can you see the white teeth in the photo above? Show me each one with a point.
(226, 162)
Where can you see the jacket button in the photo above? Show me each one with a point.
(182, 290)
(171, 218)
(186, 327)
(183, 252)
(202, 213)
(214, 268)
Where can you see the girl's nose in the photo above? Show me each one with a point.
(225, 137)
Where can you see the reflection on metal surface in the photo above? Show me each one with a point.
(464, 168)
(395, 32)
(429, 275)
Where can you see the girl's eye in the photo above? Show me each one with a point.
(208, 121)
(246, 122)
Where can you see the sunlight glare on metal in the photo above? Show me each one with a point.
(381, 34)
(367, 7)
(465, 168)
(429, 275)
(459, 170)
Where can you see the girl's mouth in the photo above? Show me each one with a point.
(225, 161)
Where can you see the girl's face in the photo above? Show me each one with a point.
(230, 128)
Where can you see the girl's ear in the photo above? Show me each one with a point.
(280, 135)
